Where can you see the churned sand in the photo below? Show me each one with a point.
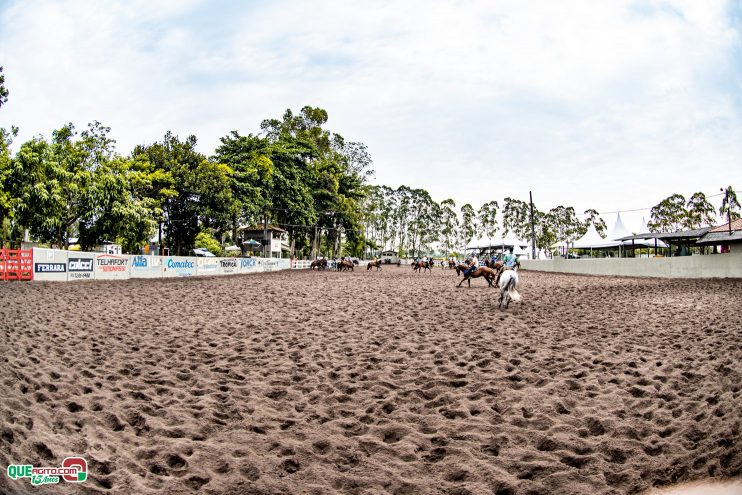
(372, 383)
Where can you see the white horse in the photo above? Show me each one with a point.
(508, 283)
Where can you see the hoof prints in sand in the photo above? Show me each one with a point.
(366, 382)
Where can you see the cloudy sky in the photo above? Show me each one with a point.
(612, 105)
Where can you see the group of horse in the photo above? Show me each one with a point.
(507, 282)
(421, 266)
(336, 265)
(494, 272)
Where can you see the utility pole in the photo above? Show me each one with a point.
(314, 243)
(533, 229)
(266, 241)
(729, 210)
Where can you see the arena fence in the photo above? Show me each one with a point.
(300, 264)
(16, 264)
(728, 265)
(60, 265)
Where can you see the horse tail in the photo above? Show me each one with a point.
(511, 289)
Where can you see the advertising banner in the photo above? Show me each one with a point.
(269, 264)
(80, 266)
(143, 266)
(111, 266)
(249, 265)
(229, 266)
(49, 264)
(179, 266)
(207, 266)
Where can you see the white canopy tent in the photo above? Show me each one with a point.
(510, 240)
(473, 244)
(619, 230)
(647, 241)
(592, 240)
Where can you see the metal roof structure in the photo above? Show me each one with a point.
(683, 235)
(721, 234)
(713, 238)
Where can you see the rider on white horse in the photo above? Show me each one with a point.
(508, 263)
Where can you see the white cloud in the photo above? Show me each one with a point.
(594, 104)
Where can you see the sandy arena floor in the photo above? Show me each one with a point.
(366, 382)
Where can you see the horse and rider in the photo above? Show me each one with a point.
(345, 264)
(422, 265)
(509, 262)
(320, 264)
(375, 263)
(473, 270)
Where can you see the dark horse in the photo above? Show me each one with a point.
(451, 264)
(318, 264)
(488, 273)
(422, 266)
(371, 264)
(497, 265)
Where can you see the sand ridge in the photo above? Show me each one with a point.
(372, 382)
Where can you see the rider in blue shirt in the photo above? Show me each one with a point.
(510, 259)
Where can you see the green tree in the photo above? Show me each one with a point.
(449, 224)
(593, 218)
(729, 205)
(668, 215)
(6, 198)
(204, 197)
(322, 166)
(3, 90)
(116, 212)
(699, 212)
(563, 222)
(467, 228)
(152, 185)
(487, 219)
(53, 185)
(250, 159)
(516, 217)
(423, 224)
(207, 241)
(545, 236)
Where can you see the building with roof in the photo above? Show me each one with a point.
(728, 236)
(677, 243)
(275, 244)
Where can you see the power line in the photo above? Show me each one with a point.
(648, 207)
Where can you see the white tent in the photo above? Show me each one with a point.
(648, 241)
(473, 244)
(642, 227)
(517, 244)
(486, 242)
(592, 240)
(619, 230)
